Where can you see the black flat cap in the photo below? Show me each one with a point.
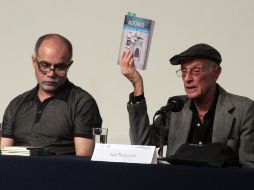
(197, 51)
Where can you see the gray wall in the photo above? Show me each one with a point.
(95, 27)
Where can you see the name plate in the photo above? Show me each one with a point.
(125, 153)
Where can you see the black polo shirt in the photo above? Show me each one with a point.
(53, 123)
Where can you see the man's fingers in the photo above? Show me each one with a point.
(127, 59)
(131, 62)
(123, 55)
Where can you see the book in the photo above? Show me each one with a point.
(25, 151)
(19, 148)
(137, 36)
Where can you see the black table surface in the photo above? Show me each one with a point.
(71, 172)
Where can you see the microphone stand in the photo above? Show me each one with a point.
(175, 104)
(162, 127)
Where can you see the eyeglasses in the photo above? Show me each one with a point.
(196, 71)
(59, 69)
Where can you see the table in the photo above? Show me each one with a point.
(71, 172)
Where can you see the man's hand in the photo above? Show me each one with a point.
(129, 71)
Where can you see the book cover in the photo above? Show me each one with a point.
(137, 36)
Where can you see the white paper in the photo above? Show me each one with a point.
(125, 153)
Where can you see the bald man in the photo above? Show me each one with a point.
(55, 114)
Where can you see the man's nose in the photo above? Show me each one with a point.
(51, 72)
(188, 76)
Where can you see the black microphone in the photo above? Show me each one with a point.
(175, 104)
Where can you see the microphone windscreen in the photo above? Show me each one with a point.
(177, 103)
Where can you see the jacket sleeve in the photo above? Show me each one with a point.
(141, 132)
(246, 145)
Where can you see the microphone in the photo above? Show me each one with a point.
(175, 104)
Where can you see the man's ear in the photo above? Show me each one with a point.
(217, 72)
(34, 61)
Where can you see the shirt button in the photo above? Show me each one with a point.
(198, 124)
(39, 112)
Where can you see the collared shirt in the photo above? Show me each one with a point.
(201, 133)
(72, 112)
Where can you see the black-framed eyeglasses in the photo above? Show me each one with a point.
(196, 71)
(59, 69)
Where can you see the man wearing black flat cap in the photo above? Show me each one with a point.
(209, 115)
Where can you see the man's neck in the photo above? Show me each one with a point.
(204, 104)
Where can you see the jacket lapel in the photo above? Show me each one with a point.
(182, 124)
(223, 120)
